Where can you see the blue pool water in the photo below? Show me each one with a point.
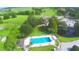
(40, 40)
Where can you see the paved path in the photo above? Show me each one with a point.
(65, 46)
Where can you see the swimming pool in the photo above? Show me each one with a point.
(40, 40)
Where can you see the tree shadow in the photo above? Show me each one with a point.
(45, 30)
(74, 48)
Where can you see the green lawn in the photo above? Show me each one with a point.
(2, 46)
(18, 49)
(43, 48)
(67, 39)
(12, 23)
(37, 32)
(9, 24)
(18, 9)
(4, 32)
(49, 12)
(20, 19)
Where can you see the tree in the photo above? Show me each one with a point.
(6, 16)
(74, 48)
(74, 13)
(1, 20)
(62, 29)
(34, 21)
(26, 12)
(77, 28)
(61, 11)
(13, 15)
(25, 29)
(53, 25)
(9, 14)
(37, 11)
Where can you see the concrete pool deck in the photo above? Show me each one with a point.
(27, 41)
(44, 44)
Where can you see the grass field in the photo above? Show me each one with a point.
(9, 24)
(49, 12)
(17, 9)
(19, 20)
(37, 32)
(2, 46)
(67, 39)
(43, 48)
(12, 23)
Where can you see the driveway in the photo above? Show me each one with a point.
(65, 46)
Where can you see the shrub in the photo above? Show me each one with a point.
(6, 16)
(1, 20)
(27, 12)
(13, 15)
(34, 21)
(25, 29)
(53, 25)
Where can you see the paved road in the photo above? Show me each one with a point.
(66, 46)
